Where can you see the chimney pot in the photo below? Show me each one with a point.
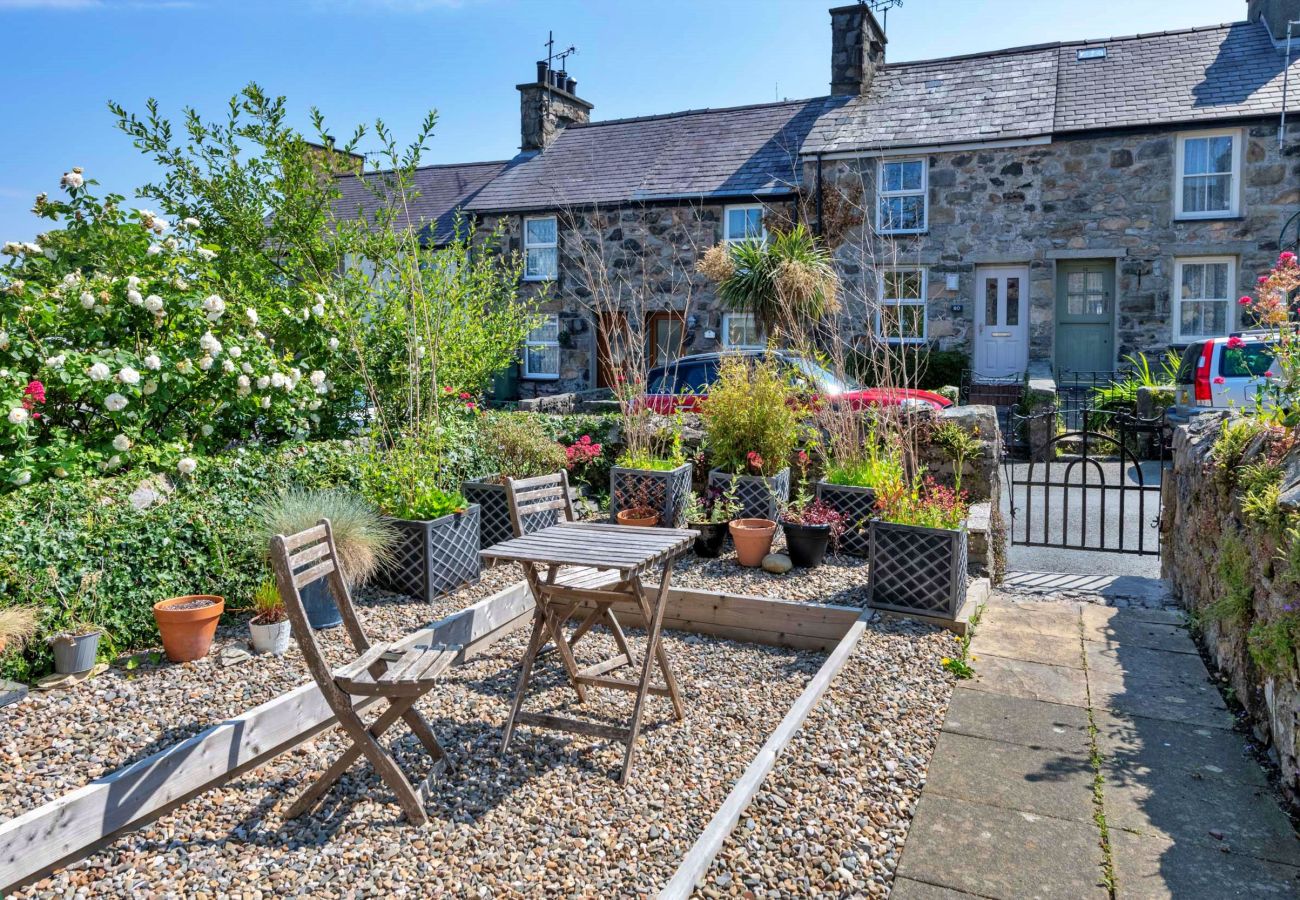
(1275, 15)
(542, 69)
(548, 106)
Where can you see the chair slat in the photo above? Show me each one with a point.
(301, 558)
(311, 535)
(315, 573)
(362, 662)
(528, 508)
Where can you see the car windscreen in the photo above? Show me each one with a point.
(826, 381)
(686, 377)
(1251, 360)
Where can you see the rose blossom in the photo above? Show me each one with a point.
(87, 300)
(115, 402)
(98, 372)
(128, 375)
(133, 297)
(122, 443)
(152, 362)
(187, 465)
(72, 180)
(154, 304)
(18, 415)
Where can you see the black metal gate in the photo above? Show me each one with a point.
(1096, 487)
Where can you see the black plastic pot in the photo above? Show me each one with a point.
(318, 602)
(709, 541)
(806, 544)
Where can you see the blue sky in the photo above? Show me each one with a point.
(395, 59)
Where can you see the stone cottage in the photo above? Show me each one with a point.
(1065, 204)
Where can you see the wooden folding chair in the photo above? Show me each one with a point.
(400, 675)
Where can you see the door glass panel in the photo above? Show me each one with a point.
(666, 336)
(1013, 302)
(991, 302)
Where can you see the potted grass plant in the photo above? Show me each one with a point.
(919, 549)
(710, 514)
(517, 446)
(751, 421)
(363, 540)
(70, 630)
(270, 627)
(437, 530)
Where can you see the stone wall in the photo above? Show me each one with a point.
(1096, 196)
(1205, 539)
(648, 253)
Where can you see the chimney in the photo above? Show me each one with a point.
(548, 106)
(1275, 15)
(857, 49)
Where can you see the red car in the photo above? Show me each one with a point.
(684, 383)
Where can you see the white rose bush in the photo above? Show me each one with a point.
(120, 346)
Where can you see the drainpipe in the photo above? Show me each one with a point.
(1286, 78)
(819, 195)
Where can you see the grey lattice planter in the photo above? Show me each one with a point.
(434, 557)
(758, 495)
(858, 504)
(494, 512)
(917, 570)
(667, 491)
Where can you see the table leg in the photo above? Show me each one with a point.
(661, 655)
(525, 672)
(653, 626)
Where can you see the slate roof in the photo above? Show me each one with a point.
(442, 190)
(1196, 74)
(735, 152)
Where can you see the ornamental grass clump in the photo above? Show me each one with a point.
(752, 418)
(363, 540)
(17, 626)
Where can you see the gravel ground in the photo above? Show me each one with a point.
(832, 816)
(547, 817)
(840, 580)
(55, 741)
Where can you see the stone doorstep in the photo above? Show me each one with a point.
(1014, 720)
(977, 593)
(1011, 776)
(1001, 853)
(1160, 869)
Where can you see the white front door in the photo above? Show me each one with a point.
(1001, 321)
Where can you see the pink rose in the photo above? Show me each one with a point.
(1244, 301)
(1219, 379)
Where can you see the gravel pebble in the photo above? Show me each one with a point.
(840, 580)
(832, 816)
(547, 817)
(55, 741)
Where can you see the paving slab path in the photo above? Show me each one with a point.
(1091, 756)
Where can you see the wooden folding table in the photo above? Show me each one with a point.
(576, 562)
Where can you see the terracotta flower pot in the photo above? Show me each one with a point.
(753, 540)
(640, 515)
(187, 633)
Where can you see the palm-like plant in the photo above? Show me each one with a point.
(784, 282)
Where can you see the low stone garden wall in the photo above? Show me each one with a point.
(1230, 551)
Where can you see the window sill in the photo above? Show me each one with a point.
(908, 233)
(527, 377)
(1217, 217)
(536, 279)
(919, 340)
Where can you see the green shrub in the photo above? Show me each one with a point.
(1235, 436)
(1272, 645)
(518, 446)
(751, 419)
(1234, 577)
(191, 535)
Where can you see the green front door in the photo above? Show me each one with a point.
(1085, 316)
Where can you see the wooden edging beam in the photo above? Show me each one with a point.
(706, 847)
(93, 816)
